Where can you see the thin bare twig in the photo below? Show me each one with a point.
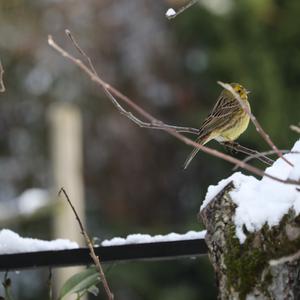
(50, 293)
(260, 154)
(182, 9)
(91, 248)
(295, 128)
(153, 120)
(73, 40)
(2, 86)
(155, 124)
(258, 127)
(236, 146)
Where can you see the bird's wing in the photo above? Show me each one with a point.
(220, 114)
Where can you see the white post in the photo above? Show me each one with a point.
(67, 161)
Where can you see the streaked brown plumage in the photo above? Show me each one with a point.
(226, 122)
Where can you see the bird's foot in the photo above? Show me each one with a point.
(230, 146)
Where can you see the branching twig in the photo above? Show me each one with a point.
(69, 34)
(155, 124)
(161, 126)
(181, 10)
(147, 116)
(102, 83)
(258, 127)
(90, 246)
(2, 86)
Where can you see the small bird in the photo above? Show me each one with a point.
(226, 122)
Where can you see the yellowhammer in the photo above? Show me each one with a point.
(226, 122)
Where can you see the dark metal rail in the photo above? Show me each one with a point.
(111, 254)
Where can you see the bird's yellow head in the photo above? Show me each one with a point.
(238, 88)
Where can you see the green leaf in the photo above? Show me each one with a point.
(93, 290)
(7, 289)
(80, 282)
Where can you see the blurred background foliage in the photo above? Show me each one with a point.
(134, 180)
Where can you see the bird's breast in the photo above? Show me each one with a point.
(236, 127)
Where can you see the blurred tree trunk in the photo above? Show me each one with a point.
(265, 266)
(66, 145)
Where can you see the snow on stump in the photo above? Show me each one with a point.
(253, 234)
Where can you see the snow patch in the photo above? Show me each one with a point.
(262, 201)
(170, 12)
(11, 242)
(32, 199)
(139, 238)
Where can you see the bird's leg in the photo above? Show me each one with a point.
(230, 146)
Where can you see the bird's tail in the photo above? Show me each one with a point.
(200, 140)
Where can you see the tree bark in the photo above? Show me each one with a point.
(265, 266)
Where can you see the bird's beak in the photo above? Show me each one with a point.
(248, 92)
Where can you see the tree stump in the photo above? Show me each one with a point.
(265, 266)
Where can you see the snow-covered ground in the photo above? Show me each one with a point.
(139, 238)
(11, 242)
(262, 201)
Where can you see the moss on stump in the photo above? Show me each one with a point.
(265, 266)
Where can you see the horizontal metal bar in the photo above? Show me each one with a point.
(129, 252)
